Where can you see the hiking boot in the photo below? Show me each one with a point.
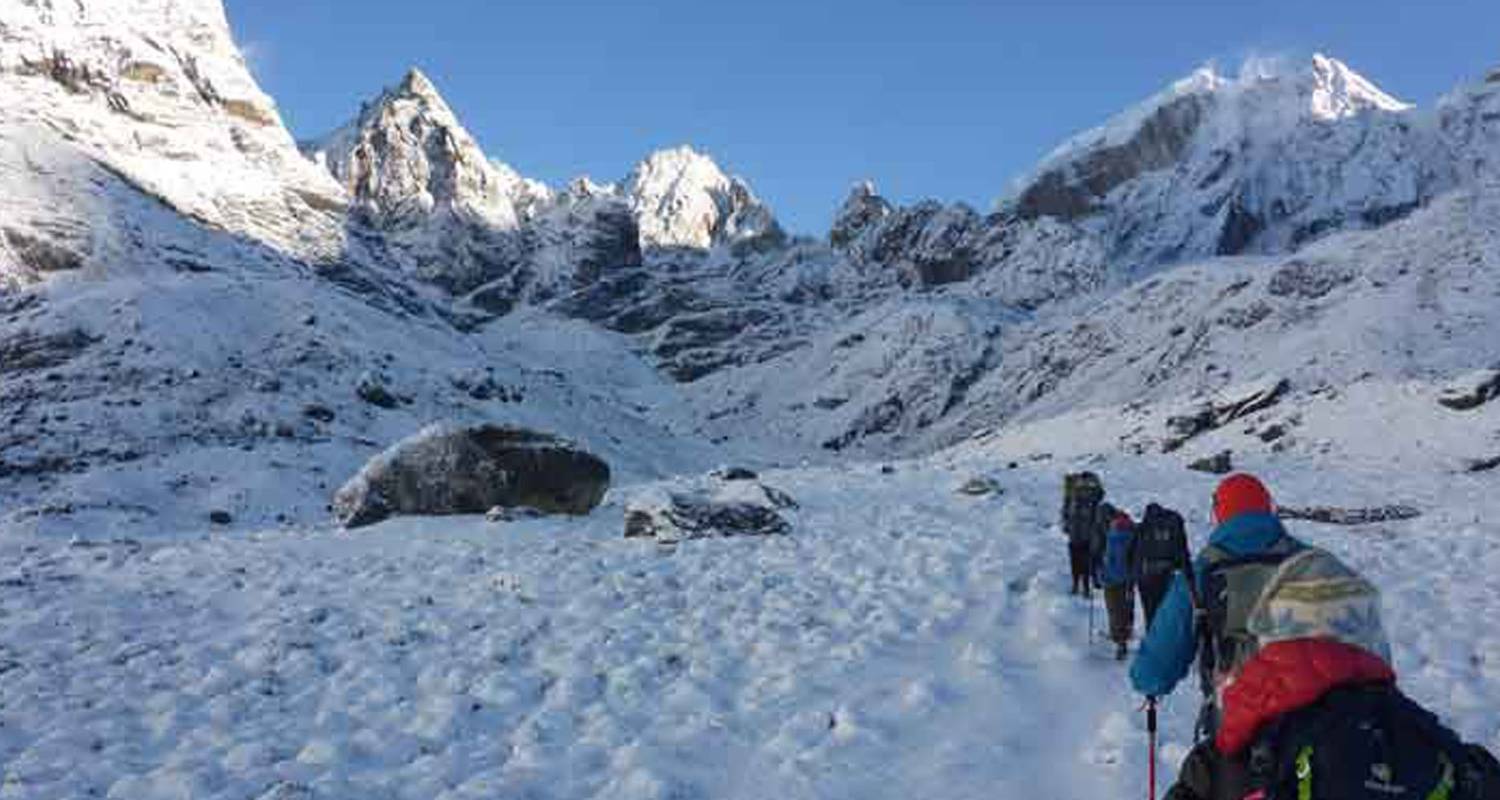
(1120, 651)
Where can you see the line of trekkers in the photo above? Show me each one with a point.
(1299, 693)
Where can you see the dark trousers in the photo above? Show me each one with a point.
(1153, 589)
(1079, 557)
(1120, 600)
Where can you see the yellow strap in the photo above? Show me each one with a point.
(1445, 786)
(1304, 774)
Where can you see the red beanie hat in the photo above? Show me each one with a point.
(1240, 494)
(1122, 522)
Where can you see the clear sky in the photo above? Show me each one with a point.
(929, 98)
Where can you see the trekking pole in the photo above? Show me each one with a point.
(1151, 737)
(1091, 616)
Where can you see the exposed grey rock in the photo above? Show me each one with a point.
(319, 412)
(41, 256)
(1308, 280)
(1481, 464)
(371, 389)
(713, 509)
(734, 474)
(1272, 432)
(980, 485)
(1184, 426)
(1472, 390)
(449, 469)
(1348, 516)
(1077, 188)
(28, 350)
(1217, 464)
(928, 244)
(1230, 404)
(862, 210)
(881, 417)
(1241, 401)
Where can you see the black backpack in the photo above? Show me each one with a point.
(1366, 742)
(1082, 494)
(1161, 541)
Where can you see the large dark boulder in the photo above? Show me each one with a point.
(1472, 390)
(450, 469)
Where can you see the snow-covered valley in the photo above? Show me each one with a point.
(904, 640)
(207, 327)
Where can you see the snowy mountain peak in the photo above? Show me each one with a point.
(1262, 162)
(417, 83)
(1338, 91)
(683, 199)
(407, 159)
(862, 209)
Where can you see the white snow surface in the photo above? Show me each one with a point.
(903, 641)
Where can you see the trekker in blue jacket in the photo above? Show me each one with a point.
(1116, 573)
(1247, 525)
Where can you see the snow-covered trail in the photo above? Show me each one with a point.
(905, 641)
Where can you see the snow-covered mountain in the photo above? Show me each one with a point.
(138, 154)
(157, 92)
(474, 226)
(1258, 163)
(682, 199)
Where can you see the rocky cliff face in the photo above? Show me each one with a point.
(156, 91)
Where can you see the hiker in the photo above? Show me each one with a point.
(1161, 549)
(1119, 582)
(1083, 493)
(1299, 695)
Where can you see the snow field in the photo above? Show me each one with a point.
(903, 641)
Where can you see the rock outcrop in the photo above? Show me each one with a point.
(446, 469)
(1471, 390)
(716, 507)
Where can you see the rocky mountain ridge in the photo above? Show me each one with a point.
(1149, 261)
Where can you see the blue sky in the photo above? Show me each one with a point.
(944, 98)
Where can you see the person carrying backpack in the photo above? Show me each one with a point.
(1299, 696)
(1118, 578)
(1161, 550)
(1083, 493)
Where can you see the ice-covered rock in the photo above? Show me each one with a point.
(448, 469)
(709, 508)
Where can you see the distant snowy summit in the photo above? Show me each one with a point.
(1262, 162)
(462, 220)
(683, 199)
